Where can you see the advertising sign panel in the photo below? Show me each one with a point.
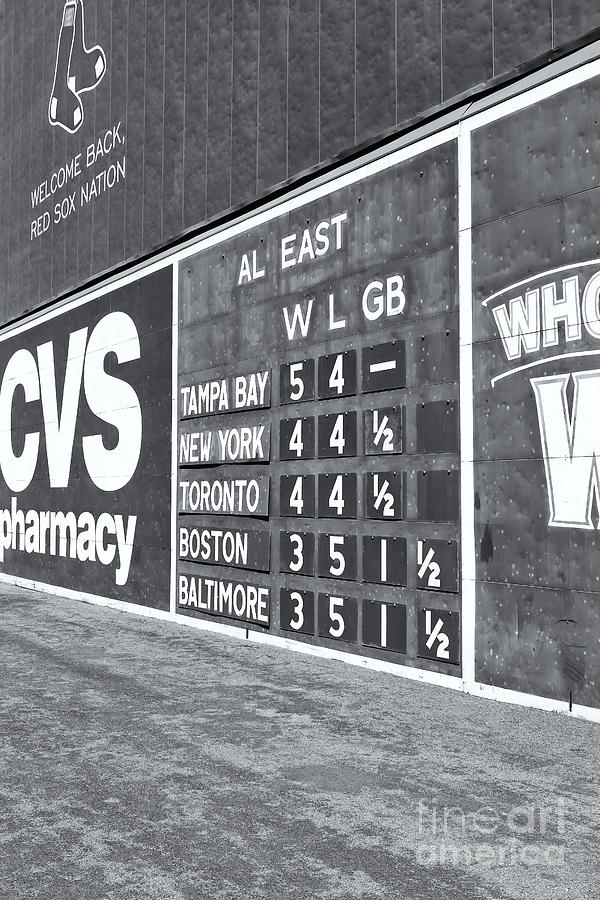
(536, 298)
(85, 445)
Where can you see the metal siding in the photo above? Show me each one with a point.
(154, 110)
(196, 87)
(46, 137)
(244, 128)
(134, 185)
(6, 33)
(118, 109)
(173, 126)
(522, 29)
(571, 20)
(303, 85)
(337, 77)
(272, 94)
(375, 67)
(102, 113)
(466, 44)
(309, 80)
(418, 83)
(218, 188)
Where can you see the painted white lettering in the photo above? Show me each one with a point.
(565, 310)
(299, 319)
(519, 325)
(114, 401)
(60, 428)
(570, 445)
(21, 371)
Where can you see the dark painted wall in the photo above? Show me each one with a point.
(220, 101)
(537, 394)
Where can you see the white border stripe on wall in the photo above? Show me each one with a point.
(467, 478)
(174, 436)
(462, 133)
(534, 95)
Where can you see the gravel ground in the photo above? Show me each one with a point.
(141, 759)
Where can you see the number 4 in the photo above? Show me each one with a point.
(337, 439)
(336, 497)
(296, 497)
(296, 444)
(336, 379)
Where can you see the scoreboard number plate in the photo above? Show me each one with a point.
(297, 438)
(337, 375)
(297, 552)
(383, 367)
(337, 496)
(297, 611)
(338, 617)
(437, 635)
(383, 431)
(437, 566)
(297, 496)
(337, 556)
(297, 381)
(384, 625)
(384, 560)
(384, 495)
(438, 496)
(337, 435)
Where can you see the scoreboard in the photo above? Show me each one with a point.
(318, 402)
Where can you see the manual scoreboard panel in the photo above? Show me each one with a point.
(318, 446)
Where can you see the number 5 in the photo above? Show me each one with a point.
(295, 381)
(336, 617)
(336, 556)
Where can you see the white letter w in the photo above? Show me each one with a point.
(300, 319)
(571, 445)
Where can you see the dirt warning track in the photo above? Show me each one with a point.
(139, 759)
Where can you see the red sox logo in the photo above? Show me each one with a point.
(567, 396)
(77, 70)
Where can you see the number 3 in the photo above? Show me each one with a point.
(298, 611)
(298, 543)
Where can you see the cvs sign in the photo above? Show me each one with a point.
(110, 398)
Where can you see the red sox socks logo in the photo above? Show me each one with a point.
(77, 70)
(567, 396)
